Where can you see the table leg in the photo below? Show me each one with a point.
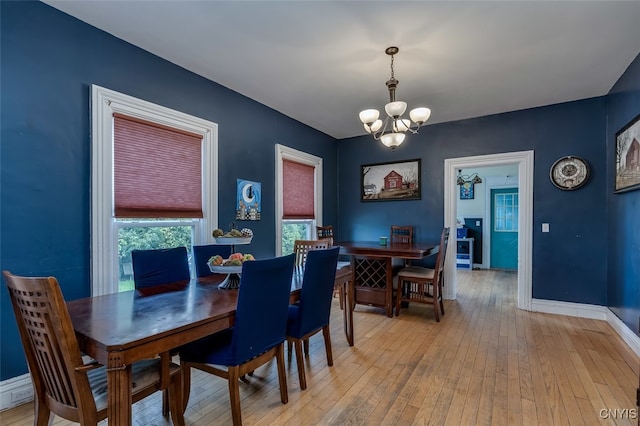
(389, 289)
(346, 293)
(119, 391)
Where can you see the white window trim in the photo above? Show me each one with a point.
(104, 244)
(286, 153)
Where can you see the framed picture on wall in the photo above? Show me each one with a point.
(249, 200)
(628, 157)
(390, 181)
(466, 190)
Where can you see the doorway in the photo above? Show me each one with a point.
(524, 160)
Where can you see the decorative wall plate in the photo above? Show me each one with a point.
(569, 173)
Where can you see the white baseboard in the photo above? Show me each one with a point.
(15, 391)
(592, 312)
(623, 330)
(569, 309)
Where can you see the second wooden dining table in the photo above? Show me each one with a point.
(121, 328)
(372, 268)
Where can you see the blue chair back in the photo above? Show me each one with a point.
(202, 254)
(263, 304)
(157, 271)
(317, 292)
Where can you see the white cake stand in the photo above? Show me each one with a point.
(233, 272)
(232, 281)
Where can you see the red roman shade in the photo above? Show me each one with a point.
(298, 190)
(157, 170)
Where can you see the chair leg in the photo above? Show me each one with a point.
(234, 394)
(440, 298)
(282, 375)
(327, 344)
(175, 401)
(165, 402)
(434, 293)
(305, 342)
(43, 415)
(341, 299)
(289, 349)
(300, 361)
(186, 384)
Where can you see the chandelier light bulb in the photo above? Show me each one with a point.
(376, 125)
(392, 140)
(420, 115)
(391, 130)
(401, 125)
(395, 109)
(369, 116)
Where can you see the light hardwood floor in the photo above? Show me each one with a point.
(485, 363)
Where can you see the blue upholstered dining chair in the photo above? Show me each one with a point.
(257, 335)
(311, 313)
(158, 271)
(202, 254)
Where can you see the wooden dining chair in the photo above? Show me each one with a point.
(311, 313)
(343, 272)
(202, 254)
(257, 335)
(302, 247)
(64, 384)
(401, 234)
(424, 285)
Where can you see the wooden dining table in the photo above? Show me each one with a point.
(121, 328)
(373, 267)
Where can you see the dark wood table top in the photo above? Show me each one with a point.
(124, 320)
(375, 249)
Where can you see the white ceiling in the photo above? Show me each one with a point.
(321, 62)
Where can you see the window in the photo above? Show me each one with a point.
(506, 212)
(298, 195)
(120, 226)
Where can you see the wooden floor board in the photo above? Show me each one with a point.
(484, 363)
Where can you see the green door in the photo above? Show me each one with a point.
(504, 228)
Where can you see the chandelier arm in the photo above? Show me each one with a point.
(383, 130)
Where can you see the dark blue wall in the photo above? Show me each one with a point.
(623, 295)
(49, 61)
(569, 262)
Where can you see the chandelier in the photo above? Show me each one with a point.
(391, 131)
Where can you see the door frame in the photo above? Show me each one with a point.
(493, 183)
(524, 160)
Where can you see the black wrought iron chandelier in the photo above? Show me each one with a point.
(392, 131)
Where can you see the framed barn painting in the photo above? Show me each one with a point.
(390, 181)
(628, 157)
